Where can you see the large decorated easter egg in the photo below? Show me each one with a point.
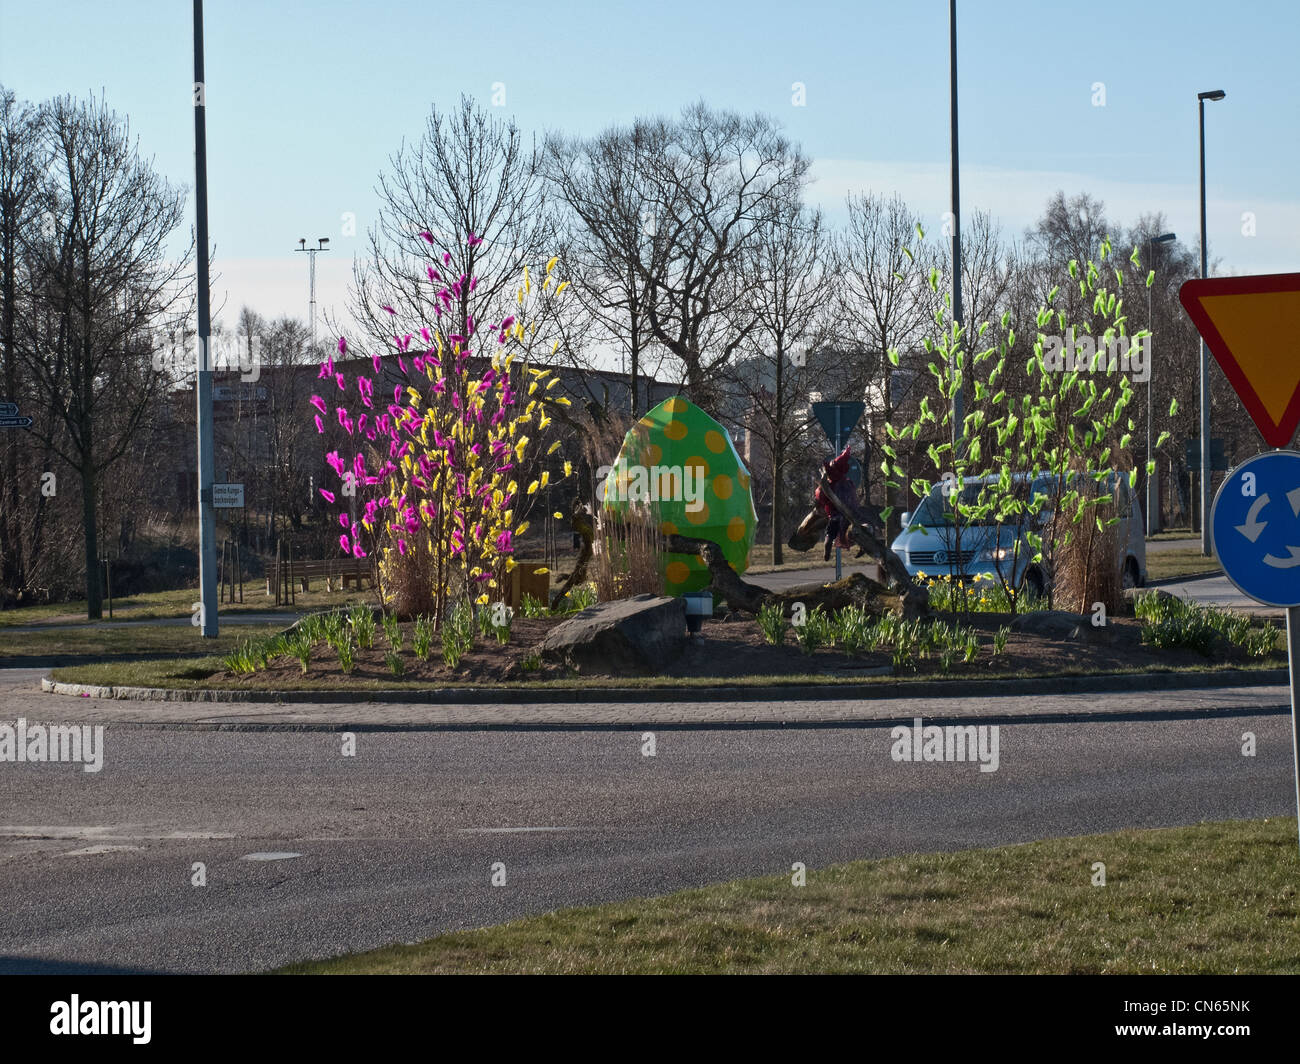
(679, 469)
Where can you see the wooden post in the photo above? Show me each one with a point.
(108, 579)
(277, 572)
(293, 595)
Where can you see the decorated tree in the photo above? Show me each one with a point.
(445, 468)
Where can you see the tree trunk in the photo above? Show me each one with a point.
(94, 590)
(778, 504)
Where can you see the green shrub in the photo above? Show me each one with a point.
(242, 659)
(300, 647)
(1000, 638)
(855, 630)
(347, 654)
(815, 632)
(533, 608)
(362, 620)
(392, 631)
(394, 662)
(457, 633)
(772, 623)
(532, 661)
(422, 637)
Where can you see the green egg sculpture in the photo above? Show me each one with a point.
(679, 467)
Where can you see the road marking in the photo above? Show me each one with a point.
(118, 832)
(272, 856)
(93, 851)
(511, 831)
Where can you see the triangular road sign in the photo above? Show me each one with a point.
(1252, 327)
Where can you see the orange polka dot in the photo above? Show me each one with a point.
(736, 529)
(675, 430)
(675, 406)
(677, 572)
(654, 454)
(698, 464)
(715, 441)
(668, 528)
(699, 516)
(722, 487)
(744, 481)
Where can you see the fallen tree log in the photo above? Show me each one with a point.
(869, 532)
(856, 589)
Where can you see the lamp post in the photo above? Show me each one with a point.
(1206, 475)
(1153, 480)
(208, 621)
(311, 255)
(958, 399)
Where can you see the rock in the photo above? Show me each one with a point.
(1132, 594)
(1070, 627)
(629, 635)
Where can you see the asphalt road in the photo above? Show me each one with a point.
(396, 843)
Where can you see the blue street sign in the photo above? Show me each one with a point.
(1256, 527)
(15, 422)
(8, 409)
(838, 420)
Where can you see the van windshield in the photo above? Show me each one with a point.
(936, 510)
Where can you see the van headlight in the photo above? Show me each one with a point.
(996, 554)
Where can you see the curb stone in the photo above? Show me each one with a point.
(936, 689)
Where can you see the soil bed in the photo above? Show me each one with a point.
(735, 648)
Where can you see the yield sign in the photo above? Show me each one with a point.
(1250, 326)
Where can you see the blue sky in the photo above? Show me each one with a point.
(306, 100)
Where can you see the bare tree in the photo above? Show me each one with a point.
(883, 302)
(103, 278)
(697, 189)
(470, 176)
(606, 240)
(23, 157)
(790, 289)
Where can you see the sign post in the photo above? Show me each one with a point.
(10, 419)
(838, 421)
(1248, 323)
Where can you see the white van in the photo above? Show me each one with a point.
(929, 544)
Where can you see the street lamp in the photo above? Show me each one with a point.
(1153, 482)
(311, 254)
(1206, 476)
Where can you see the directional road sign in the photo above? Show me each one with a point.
(8, 409)
(838, 420)
(1256, 523)
(1249, 324)
(9, 422)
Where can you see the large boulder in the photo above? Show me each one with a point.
(1072, 627)
(633, 635)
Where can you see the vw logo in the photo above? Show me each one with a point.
(941, 556)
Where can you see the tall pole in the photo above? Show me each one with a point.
(203, 369)
(1153, 493)
(311, 275)
(1206, 545)
(1153, 478)
(958, 403)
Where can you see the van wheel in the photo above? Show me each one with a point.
(1130, 577)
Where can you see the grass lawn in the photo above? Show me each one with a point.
(180, 604)
(1218, 897)
(144, 641)
(1167, 564)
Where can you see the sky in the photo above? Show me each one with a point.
(306, 101)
